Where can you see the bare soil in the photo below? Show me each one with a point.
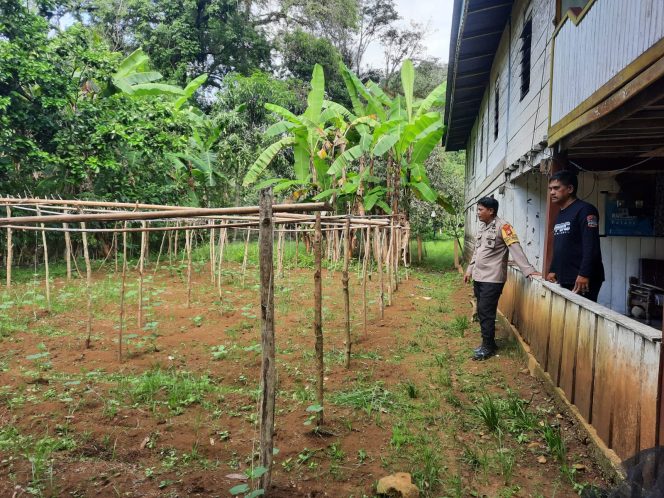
(107, 440)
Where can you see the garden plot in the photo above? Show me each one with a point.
(178, 416)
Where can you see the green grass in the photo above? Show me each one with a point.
(438, 254)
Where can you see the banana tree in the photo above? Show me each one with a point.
(314, 137)
(406, 134)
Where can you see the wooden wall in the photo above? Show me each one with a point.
(611, 35)
(606, 364)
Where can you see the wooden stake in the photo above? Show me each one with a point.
(280, 254)
(68, 251)
(88, 286)
(318, 316)
(379, 263)
(122, 292)
(297, 246)
(365, 264)
(344, 281)
(187, 236)
(10, 251)
(48, 279)
(222, 243)
(268, 370)
(212, 253)
(245, 259)
(161, 248)
(141, 263)
(389, 263)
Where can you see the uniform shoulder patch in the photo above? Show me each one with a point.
(592, 221)
(509, 236)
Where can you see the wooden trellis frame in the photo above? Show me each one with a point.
(75, 216)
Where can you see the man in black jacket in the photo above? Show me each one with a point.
(577, 258)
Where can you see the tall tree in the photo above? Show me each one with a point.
(375, 16)
(182, 38)
(401, 44)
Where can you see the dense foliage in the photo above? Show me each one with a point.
(165, 102)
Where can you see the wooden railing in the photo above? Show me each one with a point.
(605, 363)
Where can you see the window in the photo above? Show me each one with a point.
(496, 109)
(526, 43)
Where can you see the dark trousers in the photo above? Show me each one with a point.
(487, 295)
(593, 289)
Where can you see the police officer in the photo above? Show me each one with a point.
(488, 269)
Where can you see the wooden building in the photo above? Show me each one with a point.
(535, 86)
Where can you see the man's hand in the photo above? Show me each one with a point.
(535, 274)
(466, 278)
(581, 285)
(551, 277)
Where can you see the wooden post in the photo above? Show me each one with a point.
(122, 291)
(344, 281)
(115, 248)
(318, 316)
(10, 251)
(379, 264)
(170, 252)
(365, 264)
(268, 370)
(280, 253)
(161, 248)
(212, 253)
(187, 236)
(88, 285)
(419, 248)
(389, 263)
(222, 242)
(48, 282)
(65, 227)
(141, 263)
(245, 259)
(297, 245)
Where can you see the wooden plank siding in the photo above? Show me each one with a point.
(606, 364)
(588, 55)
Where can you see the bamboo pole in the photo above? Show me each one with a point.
(187, 235)
(122, 292)
(280, 259)
(170, 251)
(48, 278)
(141, 263)
(10, 251)
(115, 249)
(318, 318)
(268, 368)
(344, 281)
(158, 215)
(88, 287)
(175, 238)
(365, 264)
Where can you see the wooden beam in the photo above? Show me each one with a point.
(633, 97)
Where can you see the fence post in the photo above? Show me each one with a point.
(268, 373)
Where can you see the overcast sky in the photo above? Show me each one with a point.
(436, 13)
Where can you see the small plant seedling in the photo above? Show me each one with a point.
(488, 411)
(245, 489)
(313, 410)
(219, 352)
(198, 320)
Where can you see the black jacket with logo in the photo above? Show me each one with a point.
(576, 249)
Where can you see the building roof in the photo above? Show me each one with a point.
(477, 26)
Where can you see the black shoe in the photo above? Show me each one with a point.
(484, 353)
(494, 346)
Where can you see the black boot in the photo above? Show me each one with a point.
(484, 352)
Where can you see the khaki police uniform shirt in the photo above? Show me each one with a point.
(494, 241)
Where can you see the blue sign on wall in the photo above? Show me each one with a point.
(628, 217)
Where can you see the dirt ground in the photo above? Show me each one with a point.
(177, 416)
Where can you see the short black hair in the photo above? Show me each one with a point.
(567, 178)
(489, 203)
